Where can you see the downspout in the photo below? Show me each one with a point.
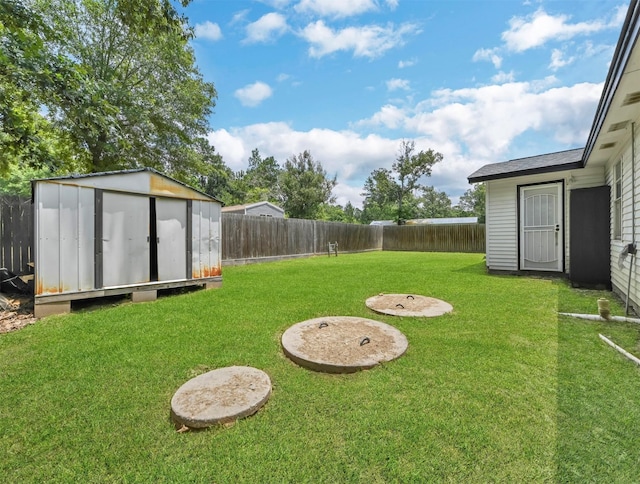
(632, 245)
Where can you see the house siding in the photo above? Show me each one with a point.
(502, 212)
(264, 210)
(620, 275)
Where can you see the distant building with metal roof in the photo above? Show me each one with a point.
(443, 221)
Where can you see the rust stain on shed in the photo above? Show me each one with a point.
(162, 186)
(206, 272)
(41, 289)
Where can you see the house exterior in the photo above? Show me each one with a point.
(126, 232)
(259, 209)
(575, 212)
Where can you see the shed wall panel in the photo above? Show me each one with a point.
(172, 238)
(69, 236)
(47, 227)
(205, 239)
(64, 245)
(125, 239)
(86, 235)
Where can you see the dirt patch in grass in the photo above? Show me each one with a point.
(408, 305)
(17, 313)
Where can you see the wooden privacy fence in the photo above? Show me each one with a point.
(435, 238)
(248, 238)
(16, 233)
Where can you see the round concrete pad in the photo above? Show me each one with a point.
(220, 396)
(408, 305)
(342, 344)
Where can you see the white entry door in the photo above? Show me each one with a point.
(541, 227)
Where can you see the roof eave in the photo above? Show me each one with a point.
(532, 171)
(624, 47)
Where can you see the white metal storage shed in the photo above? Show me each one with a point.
(122, 232)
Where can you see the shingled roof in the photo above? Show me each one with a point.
(559, 161)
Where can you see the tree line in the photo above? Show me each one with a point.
(303, 188)
(100, 85)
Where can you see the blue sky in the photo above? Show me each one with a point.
(348, 80)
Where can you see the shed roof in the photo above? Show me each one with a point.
(550, 162)
(163, 189)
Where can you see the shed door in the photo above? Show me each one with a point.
(171, 223)
(125, 239)
(541, 228)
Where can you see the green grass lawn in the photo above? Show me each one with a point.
(500, 390)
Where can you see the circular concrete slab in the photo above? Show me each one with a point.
(408, 305)
(342, 344)
(220, 396)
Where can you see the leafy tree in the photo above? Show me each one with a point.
(31, 75)
(336, 213)
(17, 180)
(380, 196)
(391, 194)
(305, 186)
(352, 214)
(409, 168)
(472, 202)
(221, 182)
(116, 80)
(433, 203)
(261, 178)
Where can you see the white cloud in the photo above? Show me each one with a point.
(486, 120)
(470, 127)
(392, 4)
(389, 116)
(490, 55)
(348, 155)
(208, 30)
(253, 94)
(539, 28)
(395, 84)
(502, 77)
(335, 8)
(267, 28)
(558, 60)
(368, 41)
(590, 50)
(239, 16)
(279, 4)
(283, 77)
(408, 63)
(618, 16)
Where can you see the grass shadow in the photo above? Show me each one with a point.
(598, 415)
